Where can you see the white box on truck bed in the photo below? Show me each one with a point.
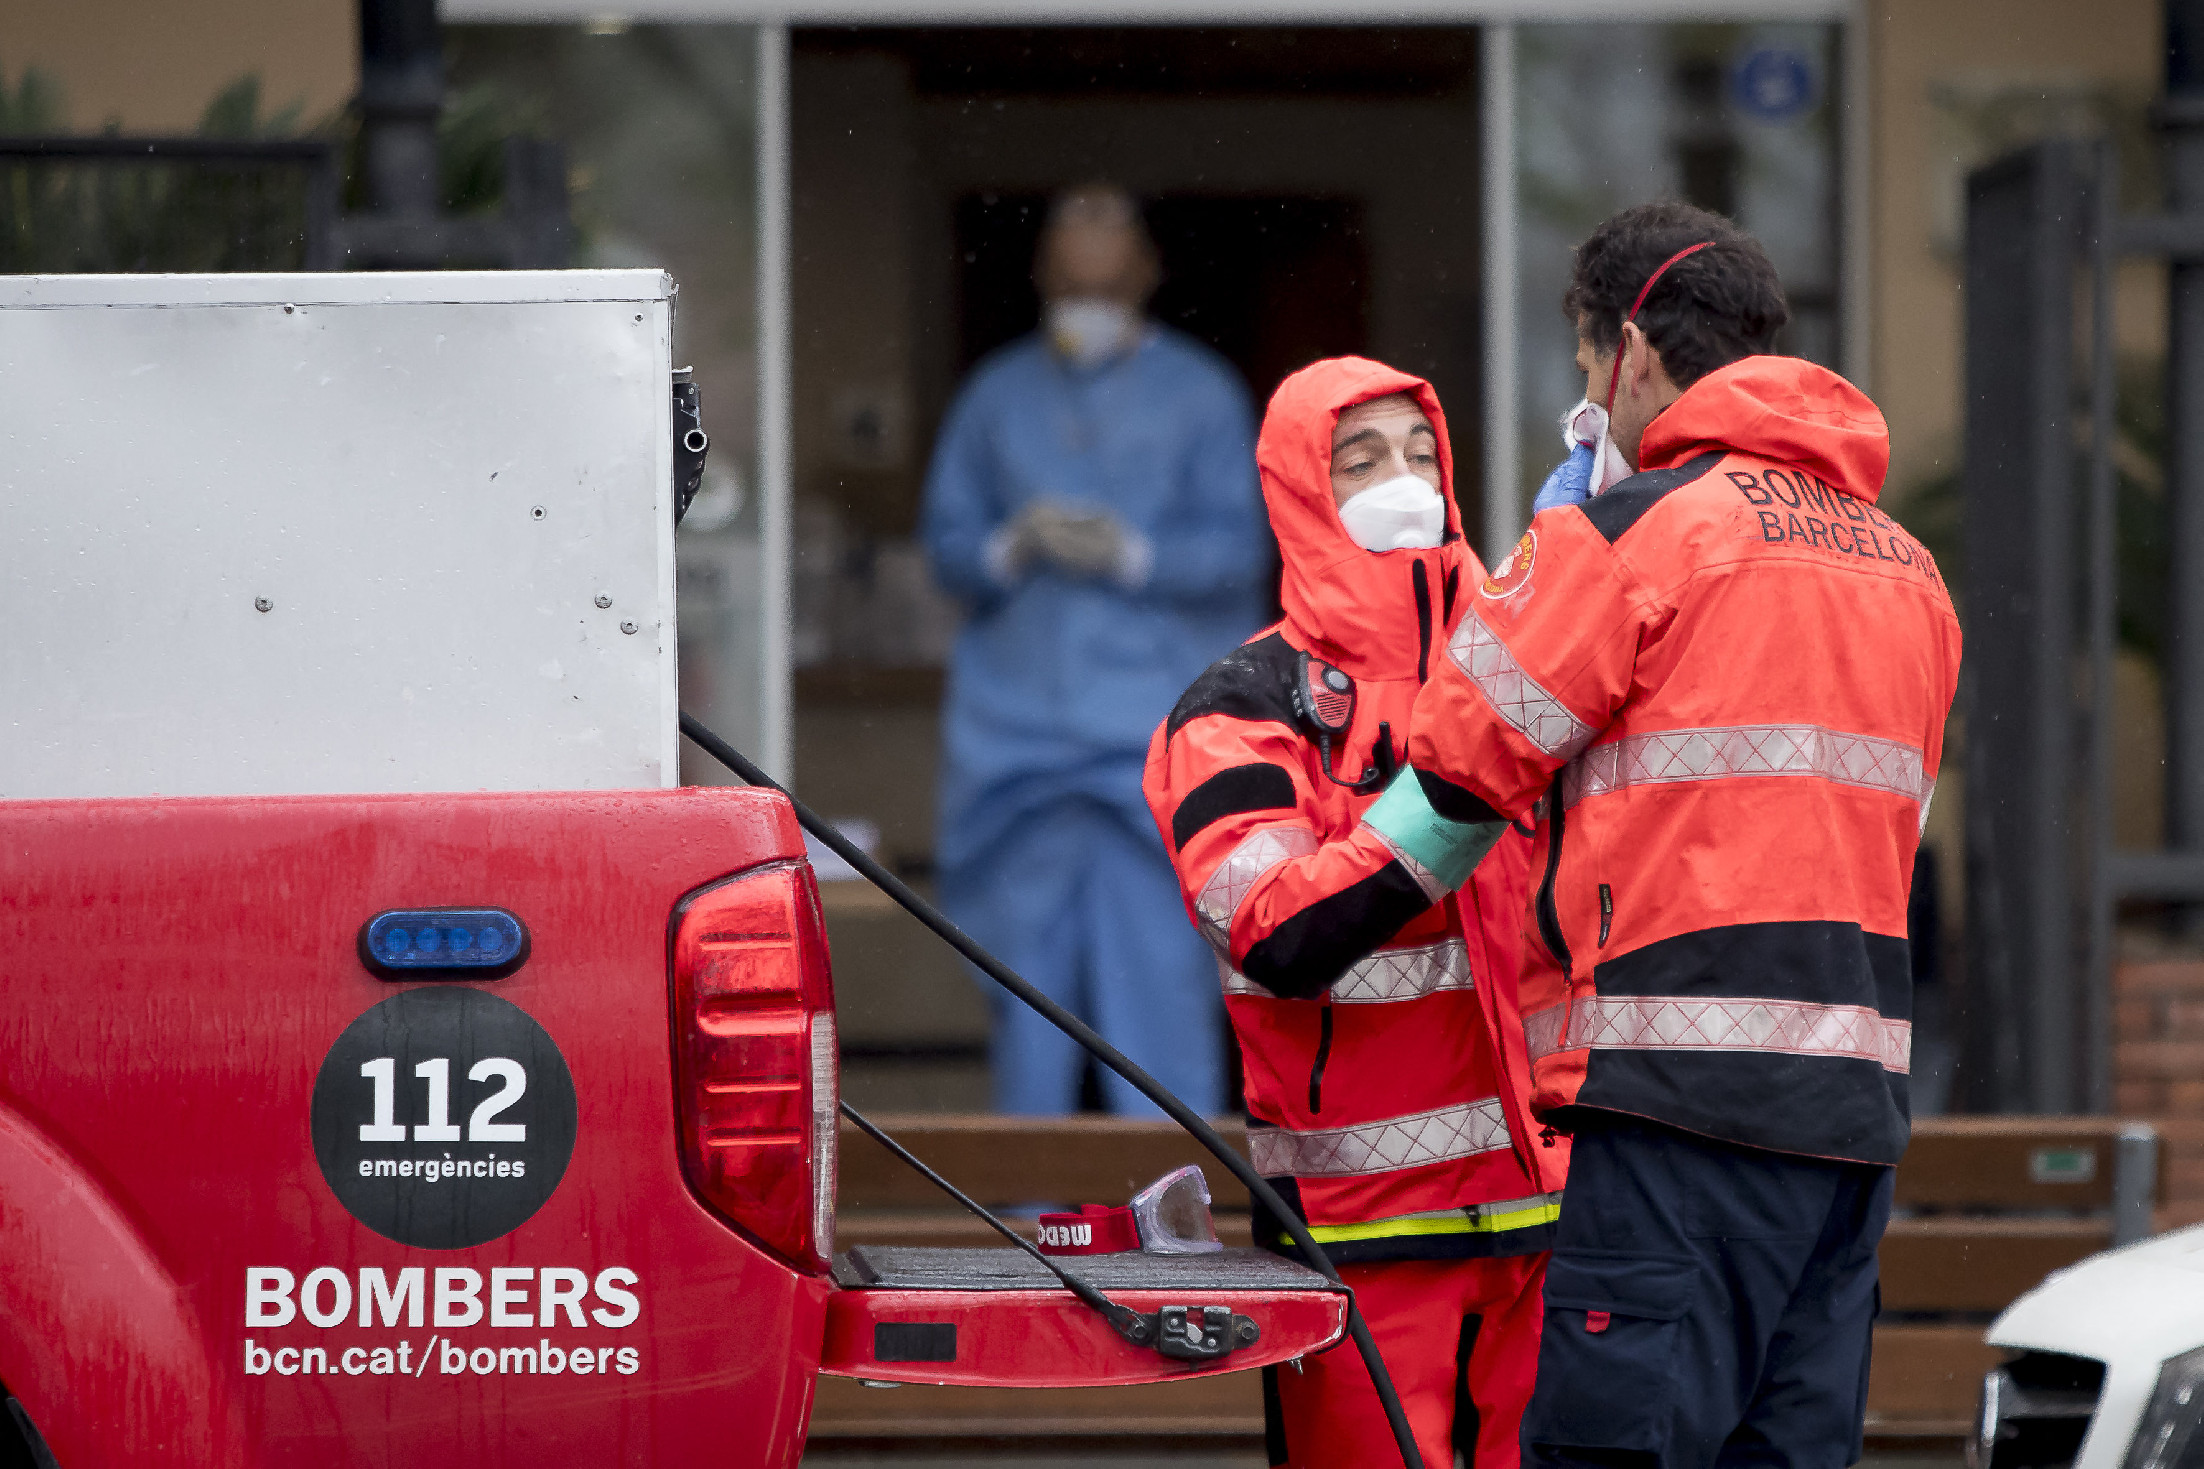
(336, 533)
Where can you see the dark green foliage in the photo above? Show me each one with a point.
(470, 145)
(1933, 510)
(70, 215)
(470, 148)
(235, 113)
(35, 106)
(108, 214)
(2139, 457)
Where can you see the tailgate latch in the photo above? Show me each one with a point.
(1193, 1333)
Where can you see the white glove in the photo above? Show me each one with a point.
(1080, 541)
(1016, 544)
(1086, 543)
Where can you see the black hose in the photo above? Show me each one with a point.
(1124, 1319)
(1404, 1437)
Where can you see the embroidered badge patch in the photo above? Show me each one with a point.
(1515, 572)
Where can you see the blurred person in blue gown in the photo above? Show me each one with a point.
(1093, 502)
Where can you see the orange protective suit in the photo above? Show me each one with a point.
(1724, 684)
(1387, 1091)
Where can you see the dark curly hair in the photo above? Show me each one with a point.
(1710, 309)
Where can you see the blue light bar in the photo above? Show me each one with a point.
(465, 943)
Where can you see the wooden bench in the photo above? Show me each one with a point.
(1987, 1206)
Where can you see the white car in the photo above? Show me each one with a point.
(2109, 1371)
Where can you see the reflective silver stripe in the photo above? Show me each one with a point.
(1497, 1210)
(1236, 983)
(1750, 750)
(1514, 695)
(1424, 877)
(1542, 1030)
(1227, 887)
(1387, 976)
(1380, 1147)
(1405, 974)
(1684, 1023)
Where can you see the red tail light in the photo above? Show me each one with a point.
(756, 1070)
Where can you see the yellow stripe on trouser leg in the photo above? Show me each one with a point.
(1493, 1218)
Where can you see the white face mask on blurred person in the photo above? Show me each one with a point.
(1403, 514)
(1088, 331)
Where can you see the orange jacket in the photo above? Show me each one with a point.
(1740, 669)
(1387, 1093)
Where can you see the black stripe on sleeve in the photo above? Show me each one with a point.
(1307, 953)
(1619, 509)
(1257, 786)
(1455, 803)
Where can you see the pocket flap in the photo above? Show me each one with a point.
(1651, 1287)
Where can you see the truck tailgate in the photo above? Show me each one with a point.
(208, 1259)
(995, 1318)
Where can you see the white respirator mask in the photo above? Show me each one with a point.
(1088, 331)
(1587, 425)
(1403, 514)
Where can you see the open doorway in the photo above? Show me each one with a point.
(1271, 282)
(1312, 192)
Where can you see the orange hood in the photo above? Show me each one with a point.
(1354, 608)
(1781, 408)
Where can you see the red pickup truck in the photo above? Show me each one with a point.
(492, 1128)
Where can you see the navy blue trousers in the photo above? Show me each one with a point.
(1707, 1305)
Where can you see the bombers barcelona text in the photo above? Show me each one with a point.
(1796, 507)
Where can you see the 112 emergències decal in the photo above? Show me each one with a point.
(443, 1117)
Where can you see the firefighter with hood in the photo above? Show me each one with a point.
(1387, 1092)
(1723, 682)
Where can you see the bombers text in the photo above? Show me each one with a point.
(1798, 508)
(506, 1295)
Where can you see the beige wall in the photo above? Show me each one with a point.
(1922, 49)
(152, 66)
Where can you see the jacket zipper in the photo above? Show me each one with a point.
(1323, 1054)
(1549, 918)
(1423, 621)
(1606, 912)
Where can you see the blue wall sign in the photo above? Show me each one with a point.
(1774, 83)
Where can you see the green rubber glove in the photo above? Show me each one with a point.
(1448, 850)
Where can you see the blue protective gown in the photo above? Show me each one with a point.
(1046, 850)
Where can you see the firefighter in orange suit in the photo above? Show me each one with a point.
(1723, 682)
(1386, 1091)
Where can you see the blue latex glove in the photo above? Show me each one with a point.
(1570, 483)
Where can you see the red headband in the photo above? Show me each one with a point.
(1614, 379)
